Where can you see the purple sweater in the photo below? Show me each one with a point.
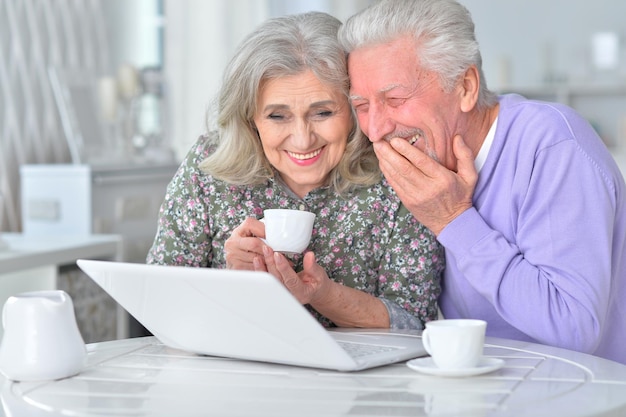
(542, 254)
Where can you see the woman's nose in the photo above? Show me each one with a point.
(302, 134)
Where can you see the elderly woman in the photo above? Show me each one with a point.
(287, 138)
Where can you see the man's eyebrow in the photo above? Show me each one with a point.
(390, 87)
(383, 90)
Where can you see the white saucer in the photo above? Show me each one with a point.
(427, 366)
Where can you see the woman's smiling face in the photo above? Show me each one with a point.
(304, 127)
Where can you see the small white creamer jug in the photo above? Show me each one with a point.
(41, 339)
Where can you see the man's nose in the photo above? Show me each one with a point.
(379, 124)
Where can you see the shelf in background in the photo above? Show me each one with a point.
(603, 104)
(569, 90)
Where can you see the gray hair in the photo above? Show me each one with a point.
(443, 31)
(280, 47)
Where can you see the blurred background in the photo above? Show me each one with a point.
(130, 81)
(101, 99)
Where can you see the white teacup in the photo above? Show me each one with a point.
(455, 343)
(41, 339)
(288, 231)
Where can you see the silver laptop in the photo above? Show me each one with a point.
(243, 315)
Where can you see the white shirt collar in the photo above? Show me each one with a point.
(480, 159)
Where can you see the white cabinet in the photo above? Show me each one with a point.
(83, 199)
(80, 200)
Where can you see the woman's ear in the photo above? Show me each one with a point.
(470, 84)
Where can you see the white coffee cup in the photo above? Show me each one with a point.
(288, 231)
(41, 339)
(455, 343)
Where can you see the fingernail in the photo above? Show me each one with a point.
(266, 250)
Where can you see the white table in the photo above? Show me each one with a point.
(27, 252)
(141, 377)
(31, 263)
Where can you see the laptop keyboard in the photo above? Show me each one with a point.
(357, 350)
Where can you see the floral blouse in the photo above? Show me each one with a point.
(366, 240)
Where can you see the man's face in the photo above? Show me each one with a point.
(394, 97)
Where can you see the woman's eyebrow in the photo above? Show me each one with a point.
(275, 107)
(322, 103)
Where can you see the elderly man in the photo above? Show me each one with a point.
(526, 199)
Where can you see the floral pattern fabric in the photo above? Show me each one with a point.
(366, 240)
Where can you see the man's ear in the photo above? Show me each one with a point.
(470, 84)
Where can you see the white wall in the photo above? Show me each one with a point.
(539, 36)
(547, 46)
(200, 39)
(132, 27)
(524, 43)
